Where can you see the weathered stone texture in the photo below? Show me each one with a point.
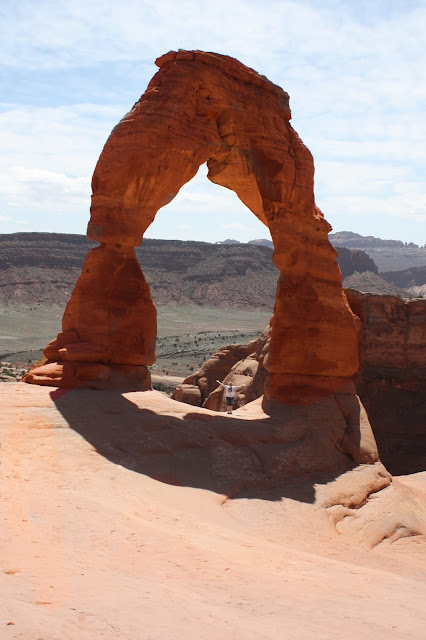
(392, 377)
(205, 107)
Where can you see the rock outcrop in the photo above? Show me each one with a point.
(237, 364)
(354, 260)
(392, 379)
(205, 107)
(407, 278)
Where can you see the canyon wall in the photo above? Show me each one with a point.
(392, 378)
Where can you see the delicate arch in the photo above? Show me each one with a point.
(204, 107)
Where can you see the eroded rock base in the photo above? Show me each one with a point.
(71, 375)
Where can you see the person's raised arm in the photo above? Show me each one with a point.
(221, 384)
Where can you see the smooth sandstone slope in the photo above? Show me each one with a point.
(117, 523)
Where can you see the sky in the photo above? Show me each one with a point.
(355, 71)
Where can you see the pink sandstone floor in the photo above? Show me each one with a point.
(92, 549)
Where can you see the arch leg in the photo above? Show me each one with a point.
(108, 329)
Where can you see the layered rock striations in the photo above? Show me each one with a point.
(204, 107)
(389, 255)
(408, 278)
(108, 328)
(392, 377)
(43, 268)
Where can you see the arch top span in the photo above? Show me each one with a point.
(205, 107)
(200, 107)
(232, 68)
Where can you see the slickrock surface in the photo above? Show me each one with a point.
(205, 107)
(117, 522)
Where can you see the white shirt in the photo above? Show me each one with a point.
(230, 391)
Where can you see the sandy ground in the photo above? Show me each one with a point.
(26, 328)
(92, 548)
(187, 335)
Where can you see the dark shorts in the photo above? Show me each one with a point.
(229, 402)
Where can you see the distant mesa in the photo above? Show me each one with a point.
(262, 242)
(355, 240)
(389, 255)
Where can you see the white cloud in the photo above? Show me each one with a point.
(10, 224)
(39, 188)
(338, 178)
(405, 207)
(47, 137)
(355, 71)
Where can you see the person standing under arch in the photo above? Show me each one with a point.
(229, 394)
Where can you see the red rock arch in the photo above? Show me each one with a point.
(204, 107)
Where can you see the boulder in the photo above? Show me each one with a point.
(188, 393)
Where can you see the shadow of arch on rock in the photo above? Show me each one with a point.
(285, 454)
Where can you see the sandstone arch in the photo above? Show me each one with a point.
(204, 107)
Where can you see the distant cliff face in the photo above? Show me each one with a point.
(369, 282)
(355, 240)
(230, 275)
(44, 267)
(416, 276)
(40, 267)
(389, 255)
(354, 260)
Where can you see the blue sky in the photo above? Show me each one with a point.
(355, 71)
